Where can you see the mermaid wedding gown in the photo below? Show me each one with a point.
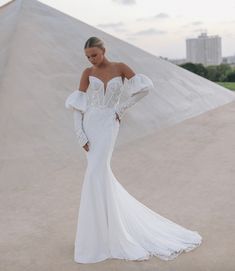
(111, 222)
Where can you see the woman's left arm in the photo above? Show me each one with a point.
(138, 85)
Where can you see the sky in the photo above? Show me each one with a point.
(159, 27)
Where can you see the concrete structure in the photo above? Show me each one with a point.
(182, 134)
(206, 50)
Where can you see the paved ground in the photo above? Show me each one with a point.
(188, 177)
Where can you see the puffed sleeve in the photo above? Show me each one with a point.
(138, 86)
(77, 102)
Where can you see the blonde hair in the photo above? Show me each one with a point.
(94, 42)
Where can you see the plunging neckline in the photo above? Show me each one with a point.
(105, 88)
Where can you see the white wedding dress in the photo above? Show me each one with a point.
(111, 222)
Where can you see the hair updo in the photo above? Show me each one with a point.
(94, 42)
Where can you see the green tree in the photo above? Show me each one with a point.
(212, 73)
(189, 66)
(195, 68)
(216, 73)
(223, 71)
(231, 77)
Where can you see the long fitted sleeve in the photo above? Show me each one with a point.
(137, 87)
(77, 101)
(78, 128)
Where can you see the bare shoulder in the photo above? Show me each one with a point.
(126, 70)
(87, 71)
(84, 80)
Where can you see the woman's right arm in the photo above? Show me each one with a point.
(77, 101)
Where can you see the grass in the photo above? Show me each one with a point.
(229, 85)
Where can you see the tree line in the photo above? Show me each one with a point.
(215, 73)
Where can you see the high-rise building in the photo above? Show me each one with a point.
(206, 50)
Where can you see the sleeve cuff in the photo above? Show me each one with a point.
(120, 111)
(82, 139)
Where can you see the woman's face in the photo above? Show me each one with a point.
(95, 55)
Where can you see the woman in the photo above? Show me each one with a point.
(111, 222)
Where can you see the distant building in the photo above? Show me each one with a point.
(229, 59)
(206, 50)
(178, 61)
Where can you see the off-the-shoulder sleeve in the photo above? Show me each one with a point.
(77, 100)
(137, 87)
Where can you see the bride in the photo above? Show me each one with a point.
(111, 222)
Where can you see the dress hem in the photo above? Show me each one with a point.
(149, 255)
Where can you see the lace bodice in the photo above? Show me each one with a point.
(96, 95)
(99, 95)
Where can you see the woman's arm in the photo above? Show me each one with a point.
(77, 101)
(78, 128)
(138, 85)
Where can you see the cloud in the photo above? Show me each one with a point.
(159, 16)
(111, 25)
(117, 27)
(125, 2)
(194, 23)
(150, 31)
(227, 22)
(198, 30)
